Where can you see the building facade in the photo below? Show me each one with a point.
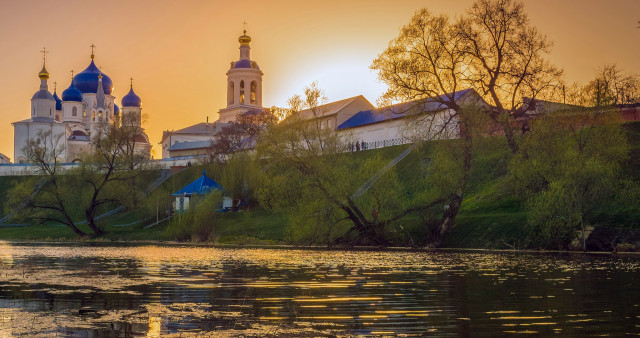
(244, 94)
(70, 121)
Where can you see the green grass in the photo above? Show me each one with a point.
(490, 217)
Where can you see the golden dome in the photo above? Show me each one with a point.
(43, 73)
(244, 39)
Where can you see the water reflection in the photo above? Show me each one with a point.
(157, 290)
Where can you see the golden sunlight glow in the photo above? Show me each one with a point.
(180, 52)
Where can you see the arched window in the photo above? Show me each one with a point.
(253, 92)
(93, 116)
(74, 111)
(34, 111)
(241, 91)
(231, 93)
(100, 116)
(49, 112)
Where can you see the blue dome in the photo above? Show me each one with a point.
(58, 101)
(72, 94)
(131, 99)
(42, 95)
(116, 110)
(242, 64)
(87, 80)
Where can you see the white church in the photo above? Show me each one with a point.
(355, 118)
(244, 94)
(87, 104)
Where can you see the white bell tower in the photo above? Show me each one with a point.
(244, 84)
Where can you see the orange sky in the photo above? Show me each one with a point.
(179, 51)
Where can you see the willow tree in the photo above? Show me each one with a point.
(312, 174)
(507, 60)
(426, 64)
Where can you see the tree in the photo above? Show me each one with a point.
(50, 196)
(241, 135)
(110, 168)
(312, 173)
(242, 176)
(105, 177)
(426, 64)
(507, 59)
(567, 166)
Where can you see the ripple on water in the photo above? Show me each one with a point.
(159, 290)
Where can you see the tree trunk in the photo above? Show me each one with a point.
(90, 221)
(508, 134)
(455, 199)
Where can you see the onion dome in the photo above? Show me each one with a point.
(116, 110)
(72, 94)
(58, 101)
(87, 80)
(244, 39)
(242, 64)
(44, 74)
(131, 99)
(42, 94)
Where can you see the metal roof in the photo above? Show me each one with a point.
(190, 145)
(400, 110)
(200, 186)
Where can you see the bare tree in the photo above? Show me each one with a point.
(507, 59)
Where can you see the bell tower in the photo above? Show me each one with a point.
(244, 84)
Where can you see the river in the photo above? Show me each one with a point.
(124, 290)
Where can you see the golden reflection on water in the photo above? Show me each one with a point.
(164, 290)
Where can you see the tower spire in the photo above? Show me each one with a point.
(44, 74)
(131, 79)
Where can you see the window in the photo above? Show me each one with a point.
(34, 111)
(231, 93)
(99, 116)
(74, 111)
(253, 92)
(57, 118)
(93, 116)
(49, 112)
(242, 91)
(329, 124)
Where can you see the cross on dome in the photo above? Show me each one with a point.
(44, 52)
(92, 47)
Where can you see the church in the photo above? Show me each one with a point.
(74, 117)
(244, 95)
(354, 118)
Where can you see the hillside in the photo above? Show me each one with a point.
(490, 216)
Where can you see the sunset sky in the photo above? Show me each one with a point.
(179, 51)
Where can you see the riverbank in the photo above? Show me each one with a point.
(490, 216)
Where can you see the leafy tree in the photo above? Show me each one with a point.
(242, 176)
(424, 65)
(105, 177)
(311, 172)
(567, 166)
(50, 196)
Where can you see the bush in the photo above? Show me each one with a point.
(198, 223)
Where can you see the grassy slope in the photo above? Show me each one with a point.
(490, 217)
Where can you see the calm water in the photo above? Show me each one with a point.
(103, 290)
